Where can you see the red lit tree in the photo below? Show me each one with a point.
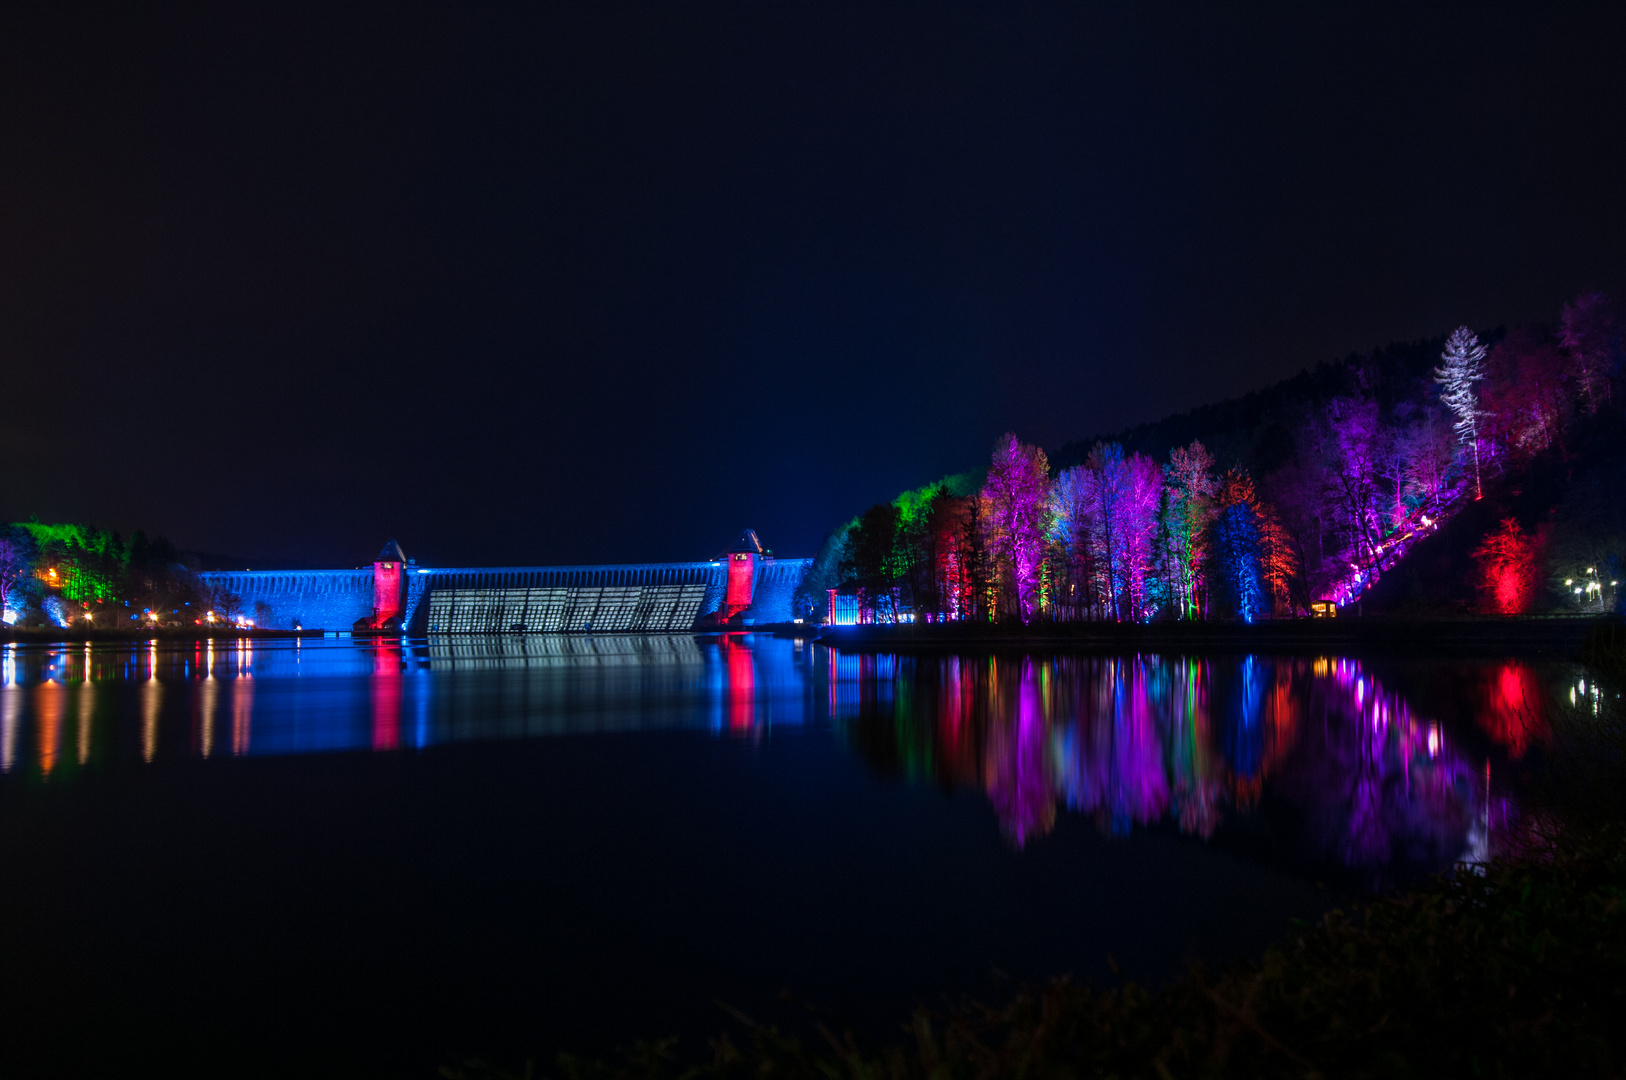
(1508, 561)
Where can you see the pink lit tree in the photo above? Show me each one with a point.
(1017, 501)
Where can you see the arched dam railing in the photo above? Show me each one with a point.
(639, 597)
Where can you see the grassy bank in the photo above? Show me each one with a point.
(1516, 971)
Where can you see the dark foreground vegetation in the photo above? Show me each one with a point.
(1516, 968)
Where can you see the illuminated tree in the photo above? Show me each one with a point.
(1428, 454)
(1016, 499)
(1306, 521)
(871, 562)
(1526, 397)
(16, 563)
(1358, 456)
(1141, 496)
(1188, 510)
(952, 524)
(1588, 328)
(1460, 370)
(1072, 498)
(1107, 523)
(812, 597)
(1508, 561)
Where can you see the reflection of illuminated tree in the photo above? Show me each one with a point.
(1135, 741)
(1372, 786)
(1513, 715)
(1017, 767)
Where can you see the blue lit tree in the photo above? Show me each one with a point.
(1238, 586)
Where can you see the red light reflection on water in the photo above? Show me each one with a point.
(1514, 715)
(742, 688)
(386, 684)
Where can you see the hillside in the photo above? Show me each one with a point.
(1446, 474)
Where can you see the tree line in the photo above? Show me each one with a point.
(1348, 473)
(69, 574)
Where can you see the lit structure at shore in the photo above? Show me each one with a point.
(745, 586)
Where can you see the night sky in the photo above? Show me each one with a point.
(610, 284)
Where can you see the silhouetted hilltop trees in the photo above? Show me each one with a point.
(1256, 431)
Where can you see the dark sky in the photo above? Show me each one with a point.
(611, 283)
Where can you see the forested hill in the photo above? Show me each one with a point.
(1299, 497)
(1256, 431)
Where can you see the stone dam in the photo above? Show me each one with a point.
(744, 586)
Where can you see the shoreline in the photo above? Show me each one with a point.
(1555, 636)
(58, 635)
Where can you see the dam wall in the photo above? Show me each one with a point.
(312, 599)
(620, 598)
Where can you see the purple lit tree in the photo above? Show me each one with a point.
(1117, 498)
(1359, 455)
(1072, 499)
(1462, 367)
(1017, 499)
(1428, 451)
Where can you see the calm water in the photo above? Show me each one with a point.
(337, 857)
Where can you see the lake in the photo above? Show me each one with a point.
(370, 857)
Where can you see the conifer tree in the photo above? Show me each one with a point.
(1462, 366)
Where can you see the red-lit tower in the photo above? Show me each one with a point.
(743, 559)
(389, 587)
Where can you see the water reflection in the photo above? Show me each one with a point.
(151, 699)
(1322, 757)
(1348, 771)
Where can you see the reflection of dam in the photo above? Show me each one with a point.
(743, 586)
(63, 707)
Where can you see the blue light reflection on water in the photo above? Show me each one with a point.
(282, 696)
(1132, 741)
(716, 818)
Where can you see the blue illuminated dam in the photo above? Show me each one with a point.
(623, 598)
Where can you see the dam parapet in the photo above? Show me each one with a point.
(396, 593)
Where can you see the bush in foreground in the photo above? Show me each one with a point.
(1515, 969)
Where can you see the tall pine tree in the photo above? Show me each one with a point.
(1463, 365)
